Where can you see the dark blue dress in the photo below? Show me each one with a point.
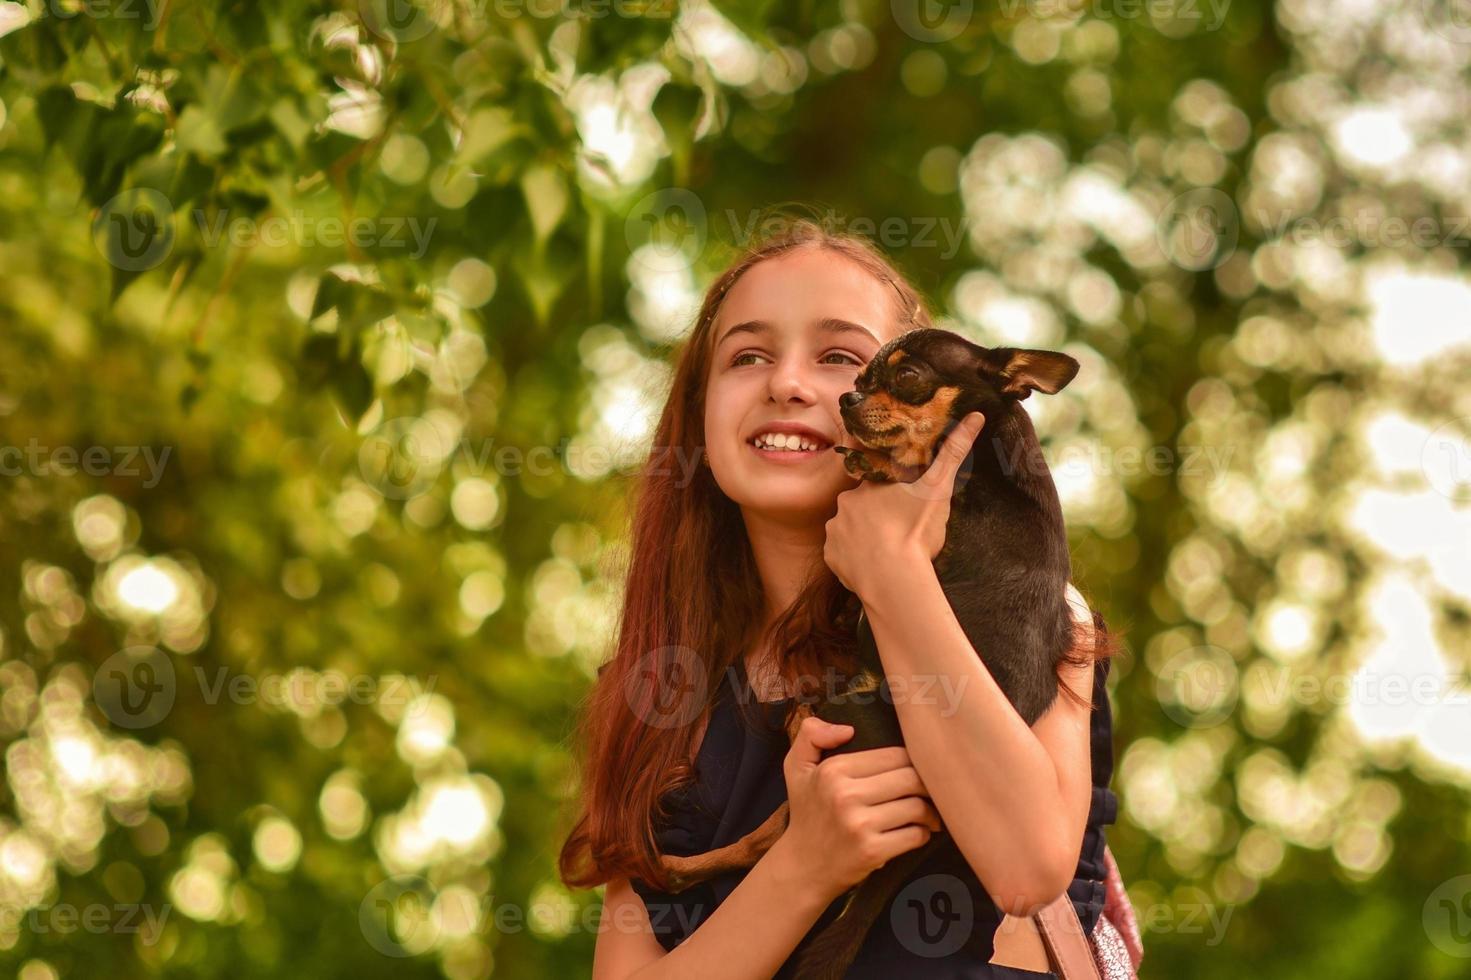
(940, 925)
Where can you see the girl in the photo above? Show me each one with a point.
(746, 576)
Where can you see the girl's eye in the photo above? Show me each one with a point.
(736, 361)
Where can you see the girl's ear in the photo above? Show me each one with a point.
(1025, 371)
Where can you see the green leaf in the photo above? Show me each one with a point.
(65, 119)
(546, 199)
(488, 130)
(352, 386)
(198, 133)
(677, 108)
(239, 201)
(317, 359)
(749, 16)
(191, 180)
(287, 117)
(326, 362)
(358, 305)
(544, 275)
(490, 213)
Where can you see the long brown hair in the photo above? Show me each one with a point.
(693, 602)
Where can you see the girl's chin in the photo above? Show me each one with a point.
(794, 493)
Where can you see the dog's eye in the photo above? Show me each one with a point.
(906, 375)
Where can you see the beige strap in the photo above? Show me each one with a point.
(1067, 946)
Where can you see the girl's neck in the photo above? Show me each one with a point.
(762, 676)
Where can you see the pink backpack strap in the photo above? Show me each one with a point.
(1118, 915)
(1067, 945)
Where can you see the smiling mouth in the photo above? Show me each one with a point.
(788, 445)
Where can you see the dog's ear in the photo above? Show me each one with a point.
(1025, 371)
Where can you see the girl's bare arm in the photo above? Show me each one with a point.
(744, 939)
(849, 815)
(1016, 797)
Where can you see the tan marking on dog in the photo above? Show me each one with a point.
(686, 871)
(864, 683)
(881, 411)
(895, 358)
(923, 425)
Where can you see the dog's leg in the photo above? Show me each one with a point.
(800, 714)
(686, 871)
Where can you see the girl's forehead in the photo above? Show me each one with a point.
(809, 286)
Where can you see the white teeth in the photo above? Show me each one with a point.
(788, 441)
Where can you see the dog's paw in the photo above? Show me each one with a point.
(855, 461)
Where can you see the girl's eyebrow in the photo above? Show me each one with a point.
(830, 325)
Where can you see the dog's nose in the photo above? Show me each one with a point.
(850, 400)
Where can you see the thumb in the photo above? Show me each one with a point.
(813, 736)
(938, 481)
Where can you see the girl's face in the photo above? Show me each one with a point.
(790, 337)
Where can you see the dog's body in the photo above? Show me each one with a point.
(1004, 569)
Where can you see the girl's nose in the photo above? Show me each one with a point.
(791, 380)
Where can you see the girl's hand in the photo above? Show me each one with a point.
(879, 526)
(850, 813)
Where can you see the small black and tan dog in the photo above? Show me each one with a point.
(1004, 568)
